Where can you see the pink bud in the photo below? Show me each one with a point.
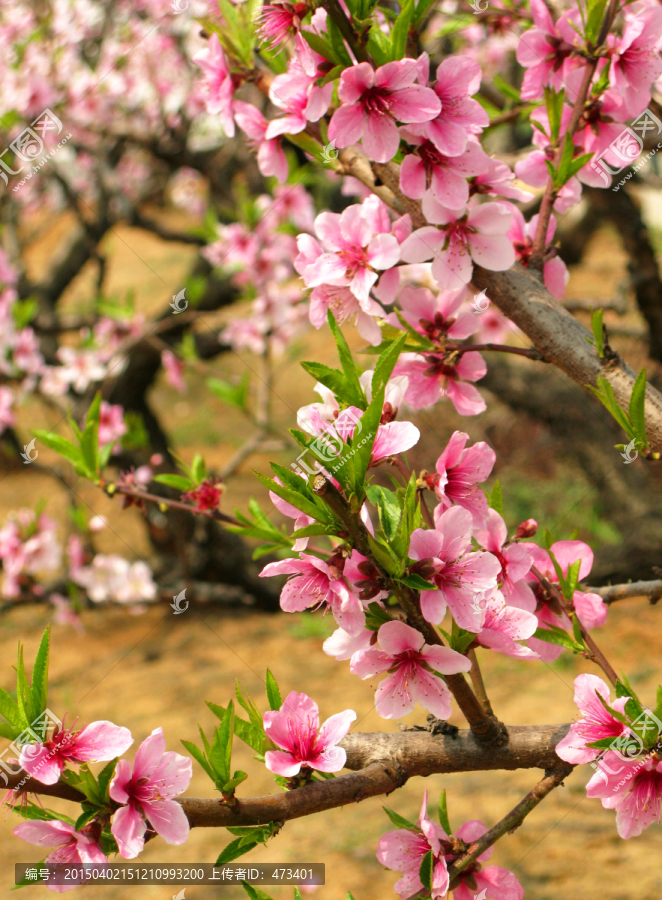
(527, 529)
(156, 459)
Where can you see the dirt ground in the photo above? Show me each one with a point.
(154, 669)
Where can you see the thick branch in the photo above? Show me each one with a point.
(612, 593)
(382, 763)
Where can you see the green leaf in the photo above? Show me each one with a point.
(255, 893)
(238, 778)
(273, 692)
(89, 441)
(247, 732)
(23, 693)
(234, 850)
(9, 709)
(363, 440)
(496, 498)
(378, 46)
(295, 498)
(249, 705)
(559, 637)
(571, 580)
(637, 408)
(105, 776)
(10, 731)
(400, 30)
(388, 508)
(506, 89)
(376, 616)
(408, 520)
(605, 394)
(40, 674)
(418, 583)
(179, 482)
(426, 869)
(59, 444)
(200, 758)
(554, 102)
(598, 331)
(220, 755)
(234, 394)
(422, 8)
(86, 816)
(198, 469)
(355, 391)
(594, 19)
(398, 820)
(334, 379)
(386, 363)
(443, 813)
(337, 42)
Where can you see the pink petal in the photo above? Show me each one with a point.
(101, 741)
(281, 763)
(169, 820)
(128, 829)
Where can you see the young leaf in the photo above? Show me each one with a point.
(255, 893)
(598, 331)
(426, 869)
(386, 363)
(363, 440)
(273, 692)
(200, 758)
(179, 482)
(59, 444)
(400, 30)
(398, 820)
(559, 637)
(234, 850)
(443, 813)
(349, 368)
(388, 508)
(637, 407)
(40, 674)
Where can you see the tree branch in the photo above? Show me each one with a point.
(381, 763)
(612, 593)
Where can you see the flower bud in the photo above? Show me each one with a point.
(527, 529)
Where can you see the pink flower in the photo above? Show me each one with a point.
(459, 573)
(300, 98)
(496, 179)
(545, 51)
(147, 791)
(411, 664)
(505, 625)
(279, 20)
(477, 233)
(218, 84)
(458, 77)
(478, 879)
(521, 233)
(372, 101)
(73, 847)
(174, 369)
(515, 559)
(271, 159)
(315, 583)
(207, 495)
(431, 377)
(596, 722)
(460, 470)
(295, 728)
(403, 850)
(7, 418)
(635, 59)
(354, 247)
(111, 423)
(342, 645)
(343, 304)
(590, 608)
(446, 176)
(636, 808)
(97, 742)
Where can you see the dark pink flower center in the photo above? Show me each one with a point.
(304, 740)
(377, 101)
(437, 328)
(354, 258)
